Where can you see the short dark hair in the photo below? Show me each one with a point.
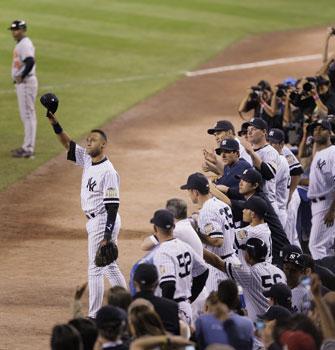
(228, 294)
(113, 330)
(119, 297)
(88, 331)
(99, 131)
(65, 337)
(177, 207)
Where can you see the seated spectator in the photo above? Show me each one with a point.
(280, 294)
(209, 327)
(229, 149)
(88, 331)
(144, 321)
(146, 282)
(65, 337)
(119, 297)
(111, 322)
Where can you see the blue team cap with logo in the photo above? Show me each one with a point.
(251, 175)
(18, 24)
(229, 145)
(257, 123)
(276, 136)
(197, 181)
(163, 218)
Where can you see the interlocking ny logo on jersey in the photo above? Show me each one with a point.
(321, 164)
(91, 184)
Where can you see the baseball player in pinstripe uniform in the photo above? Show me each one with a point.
(321, 191)
(255, 209)
(182, 272)
(255, 278)
(214, 225)
(100, 202)
(283, 179)
(24, 77)
(265, 158)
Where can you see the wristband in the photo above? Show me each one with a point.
(57, 128)
(316, 97)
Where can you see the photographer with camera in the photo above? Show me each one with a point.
(259, 99)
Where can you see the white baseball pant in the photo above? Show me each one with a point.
(26, 95)
(96, 229)
(291, 222)
(322, 238)
(185, 312)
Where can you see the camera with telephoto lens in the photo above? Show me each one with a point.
(256, 93)
(295, 98)
(309, 85)
(281, 90)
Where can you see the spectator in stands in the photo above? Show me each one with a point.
(146, 281)
(280, 294)
(111, 322)
(88, 331)
(119, 297)
(65, 337)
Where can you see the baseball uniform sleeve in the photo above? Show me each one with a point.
(26, 49)
(111, 188)
(199, 265)
(78, 154)
(166, 267)
(211, 226)
(239, 273)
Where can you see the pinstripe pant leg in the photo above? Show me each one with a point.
(95, 230)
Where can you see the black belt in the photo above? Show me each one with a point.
(315, 200)
(179, 300)
(90, 216)
(226, 256)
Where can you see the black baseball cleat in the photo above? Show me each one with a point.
(20, 149)
(21, 153)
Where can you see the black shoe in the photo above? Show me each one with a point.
(15, 150)
(21, 153)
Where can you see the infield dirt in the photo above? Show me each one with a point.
(154, 146)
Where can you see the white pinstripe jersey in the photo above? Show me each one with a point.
(262, 232)
(283, 181)
(322, 174)
(99, 183)
(301, 299)
(176, 261)
(216, 220)
(291, 159)
(255, 280)
(271, 157)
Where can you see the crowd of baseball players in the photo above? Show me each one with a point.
(252, 267)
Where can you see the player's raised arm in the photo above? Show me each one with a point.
(50, 102)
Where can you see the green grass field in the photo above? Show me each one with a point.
(103, 56)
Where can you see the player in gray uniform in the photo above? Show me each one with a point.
(214, 225)
(26, 85)
(255, 209)
(182, 272)
(100, 202)
(255, 278)
(321, 191)
(265, 158)
(283, 179)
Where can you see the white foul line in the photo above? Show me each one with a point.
(253, 65)
(167, 74)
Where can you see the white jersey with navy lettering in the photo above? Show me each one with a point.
(301, 299)
(176, 261)
(255, 280)
(216, 220)
(100, 183)
(270, 156)
(262, 232)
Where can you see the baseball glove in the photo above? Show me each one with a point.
(106, 254)
(50, 102)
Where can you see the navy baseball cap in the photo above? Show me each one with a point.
(109, 315)
(276, 136)
(295, 259)
(324, 123)
(146, 274)
(279, 291)
(276, 312)
(257, 205)
(197, 181)
(257, 123)
(251, 175)
(18, 24)
(288, 249)
(221, 125)
(163, 218)
(256, 248)
(228, 145)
